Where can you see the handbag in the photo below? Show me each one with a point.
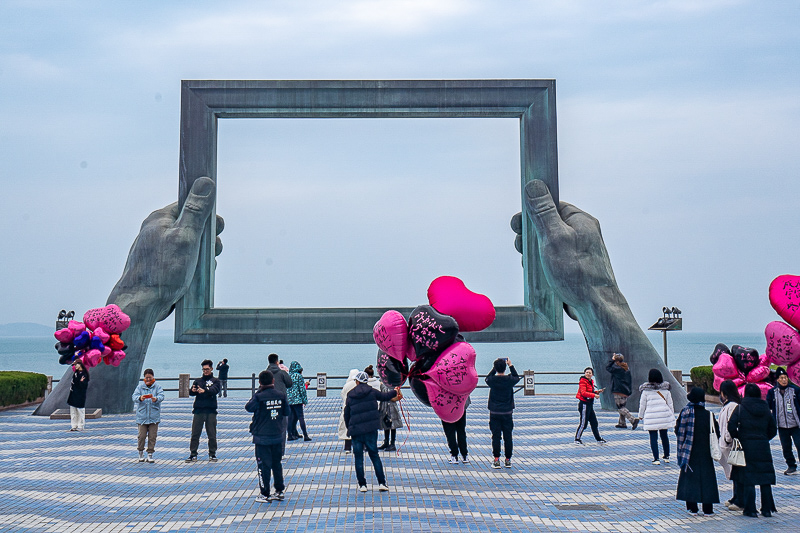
(713, 440)
(736, 455)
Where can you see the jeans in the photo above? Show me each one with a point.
(209, 420)
(223, 388)
(501, 425)
(787, 435)
(151, 432)
(654, 442)
(296, 415)
(370, 442)
(268, 459)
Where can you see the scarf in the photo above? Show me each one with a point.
(685, 434)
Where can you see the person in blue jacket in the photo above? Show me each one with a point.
(147, 400)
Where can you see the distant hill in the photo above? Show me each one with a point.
(26, 329)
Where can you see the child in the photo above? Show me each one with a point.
(269, 408)
(586, 395)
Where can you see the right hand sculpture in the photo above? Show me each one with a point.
(160, 266)
(576, 265)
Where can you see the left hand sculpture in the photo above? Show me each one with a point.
(159, 269)
(576, 265)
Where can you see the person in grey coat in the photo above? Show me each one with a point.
(282, 379)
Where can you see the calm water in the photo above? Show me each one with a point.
(167, 359)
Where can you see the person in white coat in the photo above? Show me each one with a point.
(657, 412)
(730, 398)
(349, 385)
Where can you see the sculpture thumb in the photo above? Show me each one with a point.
(198, 205)
(542, 210)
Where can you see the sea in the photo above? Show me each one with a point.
(168, 359)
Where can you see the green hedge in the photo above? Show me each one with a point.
(703, 377)
(20, 387)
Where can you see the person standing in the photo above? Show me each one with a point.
(77, 396)
(204, 412)
(282, 382)
(222, 375)
(729, 396)
(346, 388)
(657, 412)
(586, 395)
(147, 400)
(361, 417)
(269, 408)
(456, 435)
(621, 389)
(298, 397)
(697, 481)
(501, 408)
(390, 422)
(753, 425)
(784, 402)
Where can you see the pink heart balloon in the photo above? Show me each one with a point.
(784, 295)
(92, 358)
(65, 335)
(76, 327)
(472, 311)
(102, 335)
(783, 343)
(447, 405)
(454, 370)
(725, 367)
(110, 318)
(793, 371)
(391, 335)
(114, 358)
(759, 373)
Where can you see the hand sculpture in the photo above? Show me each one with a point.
(159, 269)
(576, 265)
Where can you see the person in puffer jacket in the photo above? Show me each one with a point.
(298, 397)
(147, 399)
(656, 412)
(586, 395)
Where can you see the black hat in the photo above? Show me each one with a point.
(780, 371)
(696, 395)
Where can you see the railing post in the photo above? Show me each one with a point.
(322, 384)
(49, 387)
(678, 375)
(253, 384)
(183, 385)
(530, 383)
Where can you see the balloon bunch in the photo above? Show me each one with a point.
(783, 340)
(442, 374)
(96, 338)
(743, 366)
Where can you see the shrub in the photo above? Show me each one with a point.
(703, 377)
(20, 387)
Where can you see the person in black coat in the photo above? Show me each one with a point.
(77, 396)
(269, 408)
(621, 389)
(204, 412)
(697, 482)
(362, 419)
(753, 425)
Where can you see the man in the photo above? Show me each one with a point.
(205, 390)
(621, 389)
(362, 419)
(269, 408)
(222, 373)
(147, 399)
(501, 408)
(784, 402)
(282, 382)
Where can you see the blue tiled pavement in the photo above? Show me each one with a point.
(52, 480)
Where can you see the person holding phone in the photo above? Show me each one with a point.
(147, 400)
(204, 412)
(586, 395)
(501, 408)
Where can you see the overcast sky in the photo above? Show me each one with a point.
(678, 128)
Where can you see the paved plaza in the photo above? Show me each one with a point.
(52, 480)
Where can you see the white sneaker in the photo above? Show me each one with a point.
(150, 458)
(453, 460)
(656, 462)
(465, 460)
(141, 457)
(666, 459)
(383, 488)
(362, 488)
(263, 499)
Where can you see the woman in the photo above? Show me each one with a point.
(729, 396)
(753, 425)
(586, 395)
(390, 422)
(657, 412)
(77, 396)
(147, 398)
(373, 382)
(349, 385)
(697, 482)
(297, 397)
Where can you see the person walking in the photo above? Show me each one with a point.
(147, 398)
(269, 407)
(77, 396)
(390, 422)
(456, 435)
(501, 408)
(697, 481)
(362, 420)
(586, 395)
(729, 396)
(656, 412)
(342, 430)
(753, 425)
(204, 412)
(784, 402)
(222, 375)
(298, 398)
(621, 389)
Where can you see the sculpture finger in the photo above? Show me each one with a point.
(220, 224)
(218, 246)
(197, 207)
(539, 204)
(577, 218)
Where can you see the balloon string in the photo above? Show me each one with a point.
(408, 426)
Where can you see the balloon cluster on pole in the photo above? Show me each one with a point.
(95, 339)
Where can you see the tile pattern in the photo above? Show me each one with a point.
(52, 480)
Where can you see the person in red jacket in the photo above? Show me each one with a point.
(586, 395)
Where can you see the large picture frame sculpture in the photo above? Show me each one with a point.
(204, 102)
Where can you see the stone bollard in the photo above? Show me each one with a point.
(322, 384)
(529, 380)
(183, 385)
